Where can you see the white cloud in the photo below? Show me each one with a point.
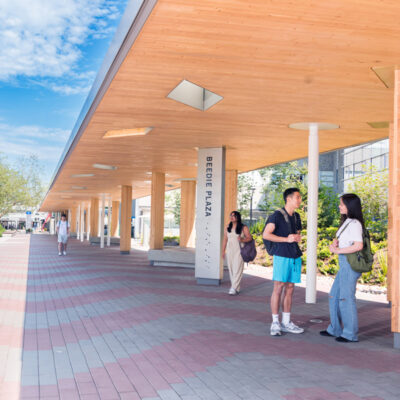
(41, 38)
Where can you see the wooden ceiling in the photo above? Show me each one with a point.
(274, 63)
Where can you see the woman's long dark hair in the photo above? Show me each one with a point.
(354, 209)
(239, 224)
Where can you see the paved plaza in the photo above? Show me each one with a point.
(99, 325)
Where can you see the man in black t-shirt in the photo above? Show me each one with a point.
(283, 228)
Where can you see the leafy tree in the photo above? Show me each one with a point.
(245, 183)
(372, 188)
(173, 202)
(20, 187)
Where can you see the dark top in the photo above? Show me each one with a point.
(289, 250)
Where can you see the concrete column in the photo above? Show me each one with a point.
(394, 214)
(126, 214)
(231, 181)
(157, 210)
(109, 216)
(73, 220)
(210, 215)
(312, 214)
(82, 223)
(115, 218)
(88, 223)
(188, 213)
(78, 223)
(94, 217)
(102, 217)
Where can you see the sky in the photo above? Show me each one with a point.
(50, 53)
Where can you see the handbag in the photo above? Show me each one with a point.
(248, 250)
(361, 261)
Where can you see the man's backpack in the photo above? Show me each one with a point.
(270, 246)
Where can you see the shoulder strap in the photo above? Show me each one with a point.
(286, 216)
(340, 234)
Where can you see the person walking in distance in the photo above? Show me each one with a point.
(283, 228)
(235, 234)
(63, 233)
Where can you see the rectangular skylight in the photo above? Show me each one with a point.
(194, 96)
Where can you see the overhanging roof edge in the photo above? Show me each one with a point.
(132, 22)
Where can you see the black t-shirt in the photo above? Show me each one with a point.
(289, 250)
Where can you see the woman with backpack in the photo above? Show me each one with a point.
(235, 234)
(342, 300)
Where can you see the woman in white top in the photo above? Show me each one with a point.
(342, 299)
(235, 233)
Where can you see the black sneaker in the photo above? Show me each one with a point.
(326, 333)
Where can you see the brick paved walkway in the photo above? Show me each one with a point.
(99, 325)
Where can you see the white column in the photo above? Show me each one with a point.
(312, 214)
(88, 223)
(78, 221)
(109, 223)
(69, 216)
(103, 213)
(82, 223)
(209, 215)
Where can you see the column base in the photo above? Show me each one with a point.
(210, 282)
(125, 251)
(396, 340)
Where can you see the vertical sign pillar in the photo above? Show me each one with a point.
(88, 223)
(188, 213)
(209, 215)
(126, 214)
(157, 210)
(394, 214)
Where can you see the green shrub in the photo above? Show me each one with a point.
(1, 230)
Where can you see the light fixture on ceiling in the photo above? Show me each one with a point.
(168, 185)
(66, 197)
(78, 187)
(194, 95)
(185, 179)
(127, 132)
(81, 175)
(104, 166)
(379, 124)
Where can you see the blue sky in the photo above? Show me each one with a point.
(50, 53)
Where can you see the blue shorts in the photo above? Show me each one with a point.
(287, 269)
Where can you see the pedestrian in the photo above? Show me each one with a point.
(342, 300)
(235, 234)
(283, 228)
(62, 233)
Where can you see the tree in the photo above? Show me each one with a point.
(173, 202)
(245, 183)
(21, 187)
(372, 188)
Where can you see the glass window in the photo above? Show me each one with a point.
(377, 162)
(348, 158)
(357, 156)
(367, 152)
(376, 149)
(358, 169)
(348, 172)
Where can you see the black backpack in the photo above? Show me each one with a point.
(270, 246)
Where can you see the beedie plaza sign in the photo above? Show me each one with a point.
(209, 215)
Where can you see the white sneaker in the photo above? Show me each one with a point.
(291, 328)
(232, 291)
(59, 253)
(65, 253)
(276, 329)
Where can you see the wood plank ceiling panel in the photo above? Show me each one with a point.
(274, 63)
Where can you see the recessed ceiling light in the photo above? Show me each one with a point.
(194, 95)
(379, 125)
(66, 197)
(81, 175)
(127, 132)
(104, 166)
(149, 173)
(169, 185)
(79, 187)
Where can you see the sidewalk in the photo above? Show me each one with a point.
(99, 325)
